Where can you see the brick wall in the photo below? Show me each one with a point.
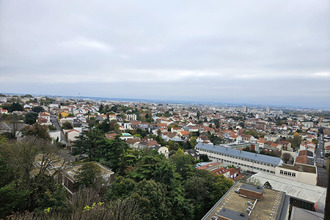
(250, 194)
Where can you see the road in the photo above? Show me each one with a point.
(322, 173)
(55, 122)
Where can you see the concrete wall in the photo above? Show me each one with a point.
(250, 194)
(304, 177)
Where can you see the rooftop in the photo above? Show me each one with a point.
(291, 187)
(300, 167)
(252, 188)
(230, 214)
(267, 208)
(238, 153)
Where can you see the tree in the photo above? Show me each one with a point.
(184, 164)
(146, 167)
(121, 188)
(152, 201)
(46, 193)
(30, 118)
(204, 189)
(15, 107)
(216, 122)
(37, 130)
(113, 154)
(88, 174)
(104, 126)
(295, 141)
(38, 109)
(67, 125)
(193, 141)
(101, 108)
(267, 185)
(19, 190)
(89, 143)
(204, 158)
(286, 157)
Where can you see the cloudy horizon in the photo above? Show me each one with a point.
(259, 52)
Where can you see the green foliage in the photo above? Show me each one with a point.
(193, 141)
(87, 174)
(121, 188)
(38, 109)
(254, 133)
(19, 190)
(104, 126)
(214, 138)
(46, 193)
(101, 108)
(30, 118)
(37, 130)
(295, 141)
(89, 143)
(114, 154)
(267, 185)
(184, 164)
(146, 168)
(204, 158)
(67, 125)
(3, 139)
(204, 189)
(15, 107)
(12, 198)
(151, 197)
(52, 128)
(315, 141)
(216, 122)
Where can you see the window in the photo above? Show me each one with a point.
(285, 173)
(294, 174)
(281, 171)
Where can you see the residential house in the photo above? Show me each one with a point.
(72, 135)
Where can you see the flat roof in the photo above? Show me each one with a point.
(231, 214)
(291, 187)
(238, 153)
(269, 206)
(252, 188)
(300, 167)
(303, 214)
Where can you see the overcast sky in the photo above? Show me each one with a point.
(258, 52)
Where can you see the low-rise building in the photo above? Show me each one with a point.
(247, 161)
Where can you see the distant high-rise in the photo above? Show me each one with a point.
(245, 109)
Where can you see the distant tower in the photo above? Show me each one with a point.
(267, 110)
(245, 109)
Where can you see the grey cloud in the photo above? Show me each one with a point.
(212, 50)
